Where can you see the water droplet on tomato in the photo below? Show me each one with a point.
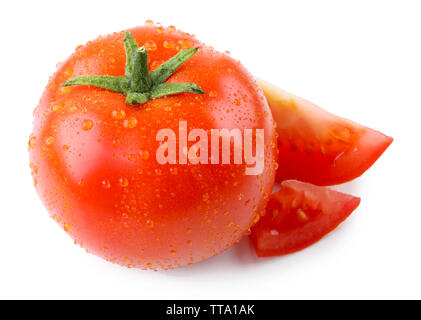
(73, 109)
(87, 125)
(49, 141)
(213, 93)
(184, 44)
(150, 45)
(169, 44)
(56, 107)
(144, 154)
(124, 182)
(118, 114)
(106, 184)
(159, 29)
(32, 142)
(130, 123)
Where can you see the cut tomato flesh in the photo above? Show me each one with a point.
(299, 215)
(318, 147)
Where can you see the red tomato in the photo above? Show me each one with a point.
(93, 156)
(318, 147)
(299, 215)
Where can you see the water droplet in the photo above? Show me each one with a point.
(32, 142)
(124, 182)
(149, 223)
(169, 44)
(144, 154)
(184, 44)
(173, 252)
(240, 196)
(49, 141)
(171, 28)
(87, 125)
(189, 230)
(56, 107)
(173, 171)
(72, 109)
(67, 227)
(118, 114)
(106, 184)
(81, 182)
(159, 29)
(205, 197)
(150, 22)
(150, 45)
(189, 242)
(213, 93)
(130, 123)
(65, 147)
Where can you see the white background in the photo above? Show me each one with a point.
(359, 59)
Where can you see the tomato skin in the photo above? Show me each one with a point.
(299, 215)
(318, 147)
(93, 156)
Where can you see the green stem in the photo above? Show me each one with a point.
(165, 70)
(130, 46)
(140, 81)
(116, 84)
(138, 84)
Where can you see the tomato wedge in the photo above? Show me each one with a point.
(299, 215)
(318, 147)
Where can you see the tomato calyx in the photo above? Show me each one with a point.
(138, 84)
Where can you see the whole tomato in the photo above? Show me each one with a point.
(93, 154)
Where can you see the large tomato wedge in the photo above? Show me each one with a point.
(318, 147)
(299, 215)
(93, 156)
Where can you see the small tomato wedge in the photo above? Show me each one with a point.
(299, 215)
(318, 147)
